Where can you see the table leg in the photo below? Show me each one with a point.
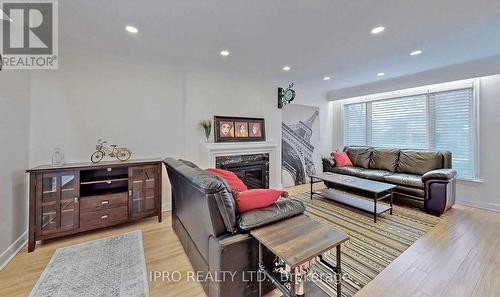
(292, 282)
(258, 269)
(339, 273)
(311, 188)
(391, 201)
(375, 209)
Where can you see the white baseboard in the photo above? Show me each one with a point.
(166, 207)
(13, 249)
(478, 204)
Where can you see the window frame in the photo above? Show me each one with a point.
(475, 84)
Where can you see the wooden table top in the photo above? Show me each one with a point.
(354, 182)
(298, 239)
(83, 165)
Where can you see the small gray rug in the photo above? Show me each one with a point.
(113, 266)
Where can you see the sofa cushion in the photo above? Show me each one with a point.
(282, 209)
(360, 156)
(420, 193)
(419, 162)
(328, 160)
(373, 174)
(255, 198)
(234, 182)
(405, 179)
(385, 159)
(341, 159)
(346, 170)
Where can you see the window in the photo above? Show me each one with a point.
(435, 120)
(399, 122)
(355, 124)
(451, 127)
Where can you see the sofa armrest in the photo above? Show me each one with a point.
(281, 210)
(328, 163)
(439, 174)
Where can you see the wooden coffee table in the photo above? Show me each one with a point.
(370, 189)
(297, 241)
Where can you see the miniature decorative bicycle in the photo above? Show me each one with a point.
(121, 153)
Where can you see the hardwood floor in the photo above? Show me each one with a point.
(459, 257)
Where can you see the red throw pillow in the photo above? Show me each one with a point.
(257, 198)
(341, 159)
(231, 179)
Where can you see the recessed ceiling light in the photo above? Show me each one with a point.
(380, 74)
(224, 53)
(378, 30)
(287, 68)
(131, 29)
(415, 53)
(326, 78)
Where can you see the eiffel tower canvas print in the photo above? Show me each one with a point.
(300, 144)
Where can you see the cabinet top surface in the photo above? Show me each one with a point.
(89, 165)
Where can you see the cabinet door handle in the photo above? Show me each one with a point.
(130, 193)
(76, 199)
(105, 202)
(104, 217)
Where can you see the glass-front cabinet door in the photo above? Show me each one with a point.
(142, 190)
(57, 202)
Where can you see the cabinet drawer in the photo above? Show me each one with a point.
(103, 217)
(100, 202)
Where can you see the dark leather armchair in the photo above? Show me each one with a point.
(213, 235)
(422, 178)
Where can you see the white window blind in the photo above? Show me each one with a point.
(451, 127)
(355, 124)
(400, 122)
(441, 120)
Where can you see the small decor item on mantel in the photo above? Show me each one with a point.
(207, 127)
(121, 153)
(57, 157)
(237, 129)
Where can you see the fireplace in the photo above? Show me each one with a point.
(253, 169)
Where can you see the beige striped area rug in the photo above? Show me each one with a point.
(372, 246)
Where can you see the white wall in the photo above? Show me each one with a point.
(483, 194)
(151, 108)
(210, 93)
(14, 136)
(138, 105)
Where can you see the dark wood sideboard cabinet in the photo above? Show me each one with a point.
(78, 197)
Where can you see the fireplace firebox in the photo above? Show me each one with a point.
(253, 169)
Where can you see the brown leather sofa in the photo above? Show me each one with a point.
(213, 235)
(422, 178)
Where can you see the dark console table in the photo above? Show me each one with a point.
(78, 197)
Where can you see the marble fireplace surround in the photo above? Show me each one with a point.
(210, 150)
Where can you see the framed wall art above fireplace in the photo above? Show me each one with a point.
(238, 129)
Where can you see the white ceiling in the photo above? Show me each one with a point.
(315, 37)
